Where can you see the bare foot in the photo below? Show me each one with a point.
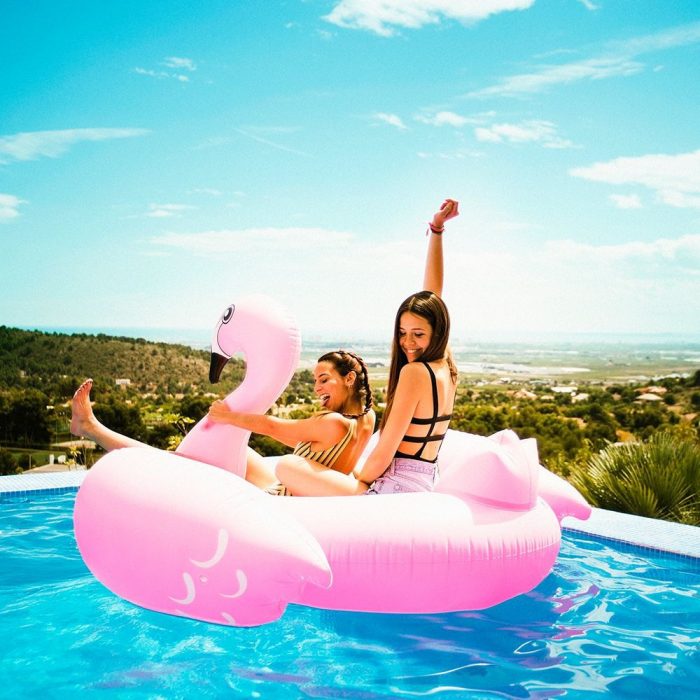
(82, 417)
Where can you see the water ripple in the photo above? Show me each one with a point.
(606, 621)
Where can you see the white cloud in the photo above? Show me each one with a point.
(569, 286)
(161, 74)
(9, 206)
(619, 60)
(235, 240)
(382, 16)
(31, 145)
(180, 63)
(674, 178)
(683, 251)
(162, 211)
(175, 62)
(626, 201)
(391, 119)
(540, 131)
(537, 81)
(444, 118)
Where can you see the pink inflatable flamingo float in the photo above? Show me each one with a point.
(170, 533)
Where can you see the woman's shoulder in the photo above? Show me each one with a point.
(419, 373)
(414, 374)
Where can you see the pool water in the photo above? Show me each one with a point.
(609, 620)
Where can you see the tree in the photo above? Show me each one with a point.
(8, 464)
(195, 407)
(24, 417)
(121, 417)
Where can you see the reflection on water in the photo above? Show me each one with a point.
(606, 620)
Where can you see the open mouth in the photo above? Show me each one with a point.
(324, 399)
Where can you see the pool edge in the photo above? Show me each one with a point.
(660, 535)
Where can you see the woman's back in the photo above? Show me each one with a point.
(351, 454)
(432, 413)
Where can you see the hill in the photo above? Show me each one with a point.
(56, 363)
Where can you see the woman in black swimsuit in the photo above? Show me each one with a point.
(420, 396)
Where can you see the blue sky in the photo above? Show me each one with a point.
(159, 160)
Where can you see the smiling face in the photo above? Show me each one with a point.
(331, 387)
(415, 334)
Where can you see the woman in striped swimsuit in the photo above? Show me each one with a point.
(420, 395)
(332, 439)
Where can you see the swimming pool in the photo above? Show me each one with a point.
(610, 619)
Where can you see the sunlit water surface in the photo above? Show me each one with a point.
(612, 621)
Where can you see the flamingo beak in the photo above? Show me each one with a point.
(217, 363)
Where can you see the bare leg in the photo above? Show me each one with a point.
(305, 478)
(259, 472)
(84, 424)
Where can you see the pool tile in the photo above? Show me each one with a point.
(17, 486)
(642, 532)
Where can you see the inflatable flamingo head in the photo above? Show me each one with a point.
(269, 338)
(255, 326)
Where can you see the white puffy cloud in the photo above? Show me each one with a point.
(618, 60)
(9, 206)
(180, 63)
(674, 178)
(391, 119)
(444, 118)
(537, 130)
(31, 145)
(626, 201)
(382, 16)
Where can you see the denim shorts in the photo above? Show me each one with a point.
(405, 475)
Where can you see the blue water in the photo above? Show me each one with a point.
(614, 621)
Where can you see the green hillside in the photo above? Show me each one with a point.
(56, 363)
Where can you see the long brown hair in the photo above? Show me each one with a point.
(345, 362)
(431, 307)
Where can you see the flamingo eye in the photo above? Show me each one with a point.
(228, 314)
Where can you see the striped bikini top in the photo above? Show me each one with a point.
(428, 437)
(327, 457)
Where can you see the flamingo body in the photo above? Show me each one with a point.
(172, 534)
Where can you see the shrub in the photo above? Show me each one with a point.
(8, 464)
(659, 478)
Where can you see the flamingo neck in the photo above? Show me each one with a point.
(259, 389)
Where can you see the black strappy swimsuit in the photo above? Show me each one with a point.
(410, 473)
(429, 437)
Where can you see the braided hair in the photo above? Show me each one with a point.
(344, 362)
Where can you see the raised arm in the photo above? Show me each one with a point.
(432, 280)
(325, 429)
